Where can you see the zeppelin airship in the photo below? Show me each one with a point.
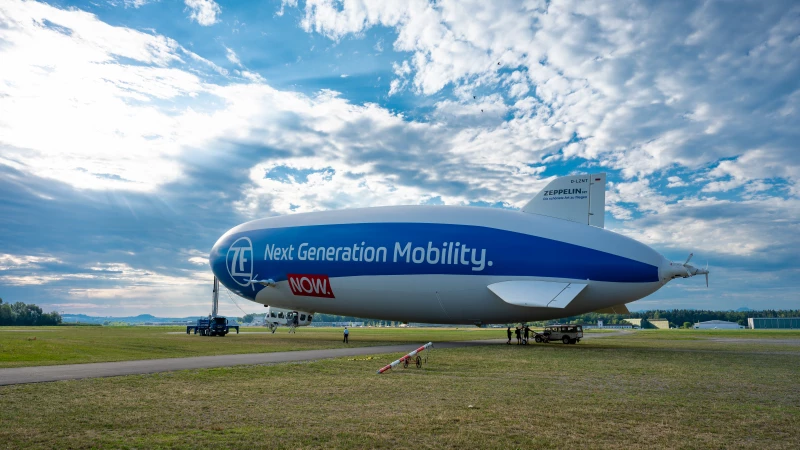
(447, 264)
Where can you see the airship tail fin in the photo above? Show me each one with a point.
(578, 198)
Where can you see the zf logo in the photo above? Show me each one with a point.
(310, 285)
(240, 261)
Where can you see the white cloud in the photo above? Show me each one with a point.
(760, 229)
(396, 86)
(137, 3)
(14, 262)
(231, 55)
(752, 167)
(149, 115)
(617, 73)
(23, 271)
(204, 12)
(639, 193)
(284, 3)
(103, 130)
(252, 76)
(675, 182)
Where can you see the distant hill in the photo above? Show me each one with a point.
(141, 318)
(743, 309)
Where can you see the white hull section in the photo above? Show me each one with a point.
(453, 299)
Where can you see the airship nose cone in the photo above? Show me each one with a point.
(233, 262)
(216, 259)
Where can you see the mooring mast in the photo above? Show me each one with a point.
(215, 298)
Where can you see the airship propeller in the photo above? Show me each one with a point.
(692, 271)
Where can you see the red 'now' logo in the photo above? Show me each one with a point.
(310, 285)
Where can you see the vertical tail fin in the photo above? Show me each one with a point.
(578, 198)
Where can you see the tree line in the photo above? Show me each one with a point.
(679, 317)
(20, 313)
(248, 318)
(676, 317)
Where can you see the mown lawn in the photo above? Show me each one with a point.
(647, 390)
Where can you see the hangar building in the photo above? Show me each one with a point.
(773, 322)
(661, 324)
(717, 324)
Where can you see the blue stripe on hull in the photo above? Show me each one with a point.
(507, 253)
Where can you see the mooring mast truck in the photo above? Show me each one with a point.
(212, 326)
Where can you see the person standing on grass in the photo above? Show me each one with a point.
(346, 335)
(527, 333)
(508, 332)
(519, 337)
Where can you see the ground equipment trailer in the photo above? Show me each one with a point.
(568, 334)
(212, 326)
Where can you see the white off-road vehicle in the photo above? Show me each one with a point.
(568, 334)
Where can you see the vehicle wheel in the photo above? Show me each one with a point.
(405, 363)
(538, 339)
(419, 362)
(565, 339)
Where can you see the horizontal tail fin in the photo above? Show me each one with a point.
(542, 294)
(578, 198)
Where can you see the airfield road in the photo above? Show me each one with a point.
(42, 374)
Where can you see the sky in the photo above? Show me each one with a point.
(133, 133)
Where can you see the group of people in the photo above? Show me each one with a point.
(519, 332)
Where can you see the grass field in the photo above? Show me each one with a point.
(72, 345)
(659, 389)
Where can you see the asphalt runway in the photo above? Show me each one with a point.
(41, 374)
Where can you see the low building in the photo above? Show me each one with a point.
(635, 322)
(609, 327)
(661, 324)
(717, 325)
(786, 323)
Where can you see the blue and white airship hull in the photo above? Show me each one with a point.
(443, 264)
